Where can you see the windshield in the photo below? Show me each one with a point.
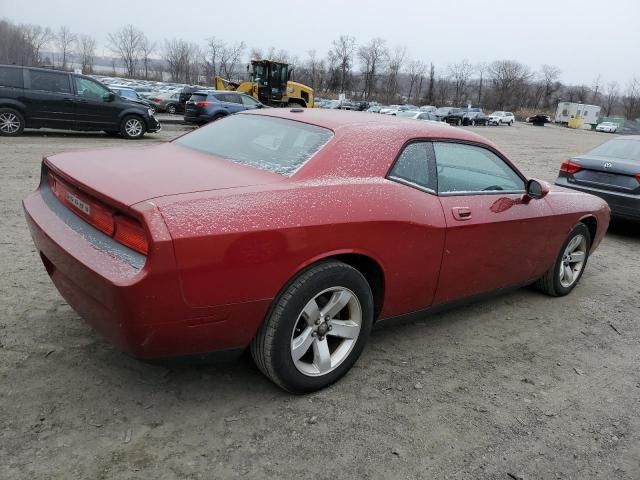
(619, 148)
(497, 114)
(608, 124)
(273, 144)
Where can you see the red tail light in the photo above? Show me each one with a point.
(121, 228)
(203, 104)
(129, 232)
(638, 177)
(156, 100)
(570, 167)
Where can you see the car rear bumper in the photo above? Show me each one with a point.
(621, 204)
(135, 303)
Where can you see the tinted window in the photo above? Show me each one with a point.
(619, 148)
(10, 77)
(273, 144)
(413, 165)
(198, 97)
(229, 97)
(92, 90)
(50, 81)
(467, 168)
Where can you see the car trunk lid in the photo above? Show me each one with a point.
(126, 176)
(607, 173)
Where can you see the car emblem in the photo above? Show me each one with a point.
(608, 165)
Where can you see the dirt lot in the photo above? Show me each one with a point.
(519, 386)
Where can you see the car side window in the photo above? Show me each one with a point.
(466, 168)
(90, 89)
(414, 166)
(50, 81)
(10, 77)
(248, 101)
(234, 98)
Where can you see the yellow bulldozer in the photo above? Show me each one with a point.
(271, 84)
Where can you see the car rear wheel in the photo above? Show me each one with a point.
(316, 329)
(132, 127)
(11, 122)
(171, 108)
(568, 268)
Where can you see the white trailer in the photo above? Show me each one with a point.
(568, 110)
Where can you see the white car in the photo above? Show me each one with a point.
(608, 127)
(501, 118)
(419, 115)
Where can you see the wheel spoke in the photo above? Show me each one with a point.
(568, 274)
(321, 355)
(300, 345)
(336, 303)
(344, 329)
(311, 311)
(573, 244)
(576, 256)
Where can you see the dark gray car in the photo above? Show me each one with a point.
(611, 171)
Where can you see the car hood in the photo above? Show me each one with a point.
(130, 175)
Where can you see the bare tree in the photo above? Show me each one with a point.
(146, 50)
(230, 57)
(214, 50)
(595, 88)
(508, 78)
(183, 60)
(372, 57)
(343, 50)
(65, 40)
(550, 75)
(395, 64)
(611, 96)
(126, 43)
(431, 92)
(87, 52)
(631, 99)
(481, 68)
(38, 38)
(415, 70)
(460, 74)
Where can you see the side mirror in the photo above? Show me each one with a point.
(108, 97)
(259, 105)
(537, 189)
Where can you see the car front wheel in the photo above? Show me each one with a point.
(568, 268)
(132, 127)
(316, 329)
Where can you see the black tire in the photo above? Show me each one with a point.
(510, 123)
(127, 129)
(271, 348)
(549, 283)
(171, 108)
(473, 123)
(11, 122)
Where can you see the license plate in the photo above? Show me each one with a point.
(79, 204)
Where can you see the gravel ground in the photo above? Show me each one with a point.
(518, 386)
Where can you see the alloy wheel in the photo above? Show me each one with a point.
(9, 123)
(326, 331)
(133, 127)
(573, 260)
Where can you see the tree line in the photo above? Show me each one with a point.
(369, 71)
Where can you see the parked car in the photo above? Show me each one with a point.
(539, 119)
(475, 118)
(608, 127)
(167, 102)
(453, 117)
(443, 112)
(44, 98)
(208, 106)
(501, 118)
(239, 236)
(374, 109)
(419, 115)
(428, 108)
(133, 96)
(611, 171)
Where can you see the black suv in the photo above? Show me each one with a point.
(43, 98)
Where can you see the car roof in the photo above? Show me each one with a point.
(364, 145)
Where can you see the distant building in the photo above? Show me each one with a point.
(568, 110)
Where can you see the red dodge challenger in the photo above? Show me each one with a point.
(294, 231)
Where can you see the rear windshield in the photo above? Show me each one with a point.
(619, 148)
(198, 97)
(273, 144)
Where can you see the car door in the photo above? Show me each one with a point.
(420, 229)
(49, 98)
(94, 109)
(496, 235)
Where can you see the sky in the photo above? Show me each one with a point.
(584, 38)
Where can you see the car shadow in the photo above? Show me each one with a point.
(624, 228)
